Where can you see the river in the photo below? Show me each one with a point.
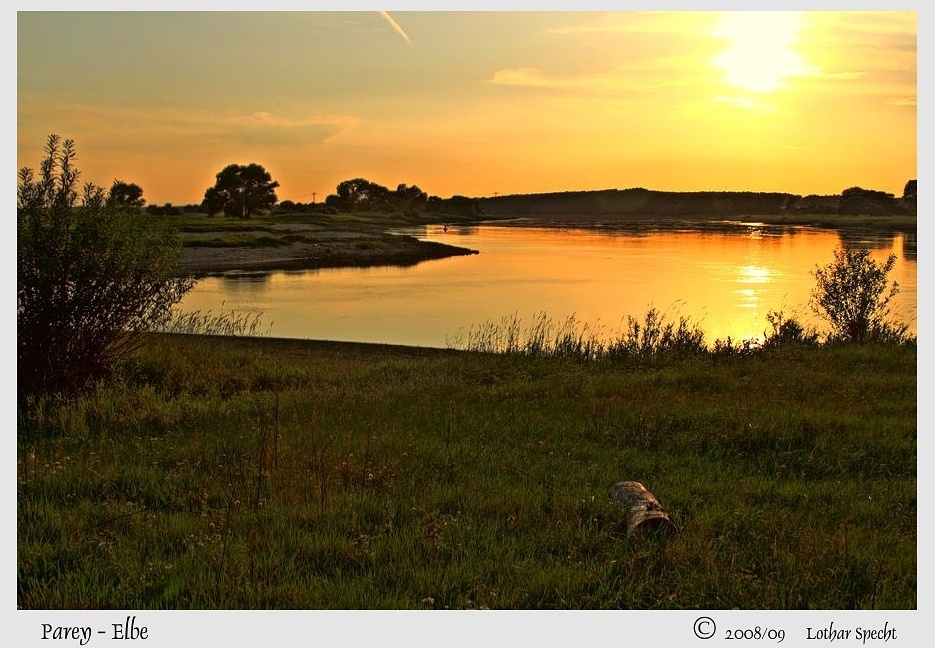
(725, 280)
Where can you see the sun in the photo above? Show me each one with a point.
(760, 55)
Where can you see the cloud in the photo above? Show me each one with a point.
(652, 75)
(640, 22)
(167, 130)
(839, 76)
(395, 25)
(528, 77)
(267, 129)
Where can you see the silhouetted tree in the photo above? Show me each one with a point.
(909, 192)
(358, 194)
(162, 210)
(214, 201)
(856, 200)
(410, 199)
(241, 190)
(125, 195)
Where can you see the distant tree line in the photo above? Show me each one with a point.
(854, 200)
(243, 190)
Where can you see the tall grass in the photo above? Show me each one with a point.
(573, 338)
(653, 335)
(210, 322)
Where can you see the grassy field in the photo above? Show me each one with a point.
(229, 473)
(262, 230)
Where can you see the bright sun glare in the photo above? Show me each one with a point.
(759, 55)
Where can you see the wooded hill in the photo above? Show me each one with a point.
(639, 201)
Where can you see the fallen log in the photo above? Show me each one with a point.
(642, 508)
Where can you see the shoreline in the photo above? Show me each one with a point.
(338, 251)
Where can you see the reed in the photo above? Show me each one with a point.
(212, 322)
(573, 338)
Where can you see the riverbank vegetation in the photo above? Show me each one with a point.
(227, 472)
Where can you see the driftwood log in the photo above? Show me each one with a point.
(641, 507)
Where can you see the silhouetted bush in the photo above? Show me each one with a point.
(90, 275)
(787, 331)
(852, 294)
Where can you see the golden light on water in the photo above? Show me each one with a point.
(749, 299)
(754, 274)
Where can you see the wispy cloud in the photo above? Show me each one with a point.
(131, 126)
(529, 78)
(653, 75)
(395, 25)
(264, 127)
(635, 22)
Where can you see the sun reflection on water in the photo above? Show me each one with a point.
(755, 274)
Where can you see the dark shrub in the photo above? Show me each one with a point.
(90, 275)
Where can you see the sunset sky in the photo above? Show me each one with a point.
(475, 103)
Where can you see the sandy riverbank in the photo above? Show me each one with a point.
(336, 250)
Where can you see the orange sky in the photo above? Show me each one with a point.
(475, 103)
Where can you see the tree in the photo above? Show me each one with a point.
(241, 190)
(358, 195)
(91, 276)
(910, 197)
(852, 294)
(410, 199)
(127, 196)
(214, 201)
(855, 200)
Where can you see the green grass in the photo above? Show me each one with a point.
(281, 223)
(222, 472)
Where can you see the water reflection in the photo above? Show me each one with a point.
(236, 281)
(754, 274)
(726, 279)
(910, 246)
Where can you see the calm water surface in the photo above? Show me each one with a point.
(726, 281)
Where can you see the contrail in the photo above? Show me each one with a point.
(395, 25)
